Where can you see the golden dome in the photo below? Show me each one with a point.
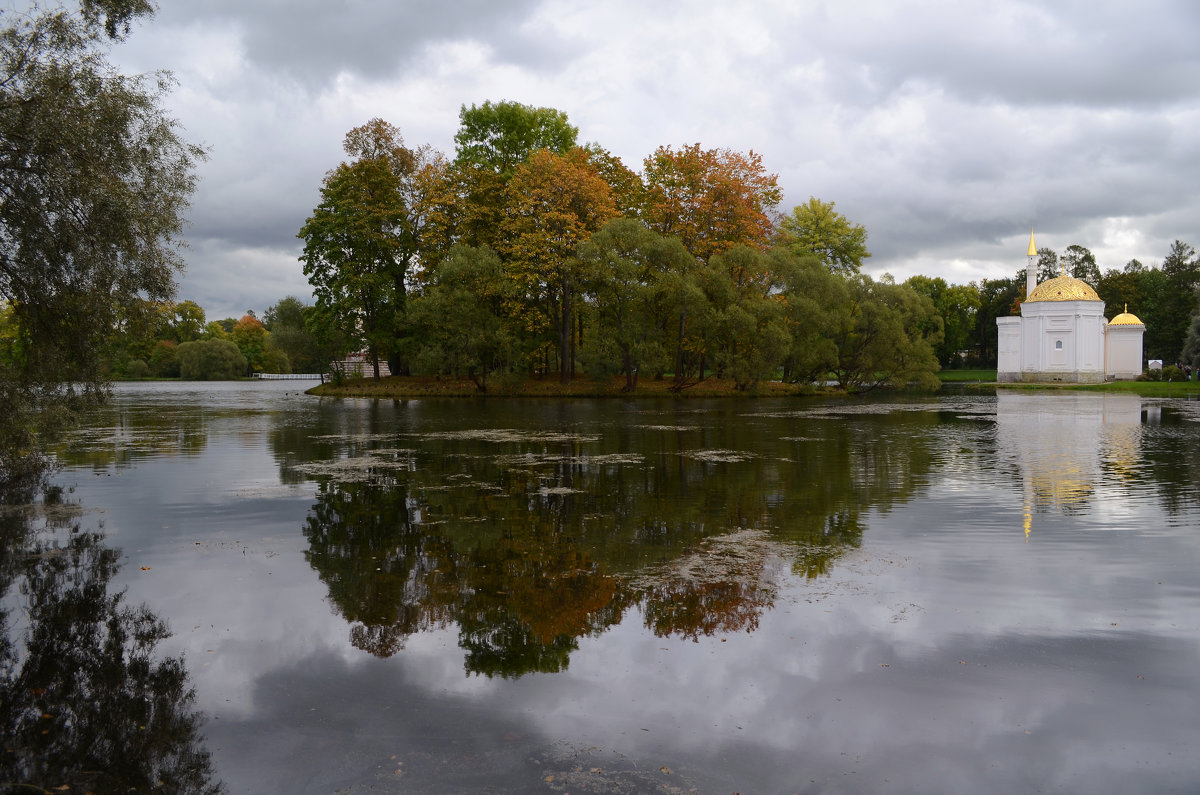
(1063, 288)
(1126, 319)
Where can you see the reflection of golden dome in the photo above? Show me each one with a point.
(1063, 288)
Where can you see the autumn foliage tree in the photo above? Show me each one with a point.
(556, 202)
(711, 199)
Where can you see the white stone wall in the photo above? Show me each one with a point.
(1008, 349)
(1123, 351)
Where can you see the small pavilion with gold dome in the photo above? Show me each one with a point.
(1061, 335)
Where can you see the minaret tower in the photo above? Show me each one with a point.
(1031, 268)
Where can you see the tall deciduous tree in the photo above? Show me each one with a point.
(362, 238)
(711, 199)
(461, 319)
(957, 305)
(1080, 263)
(556, 202)
(627, 266)
(492, 141)
(94, 179)
(501, 136)
(817, 229)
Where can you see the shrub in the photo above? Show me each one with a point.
(210, 360)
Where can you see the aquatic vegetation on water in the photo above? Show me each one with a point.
(719, 456)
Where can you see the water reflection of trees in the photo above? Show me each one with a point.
(85, 705)
(527, 550)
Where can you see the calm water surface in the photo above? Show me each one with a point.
(956, 593)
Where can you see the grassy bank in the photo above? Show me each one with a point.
(958, 376)
(424, 387)
(1144, 388)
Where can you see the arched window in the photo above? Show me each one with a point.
(1058, 345)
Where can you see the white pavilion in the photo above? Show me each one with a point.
(1061, 335)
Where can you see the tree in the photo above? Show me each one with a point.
(188, 322)
(463, 327)
(493, 139)
(1047, 265)
(556, 202)
(711, 199)
(957, 305)
(210, 360)
(627, 264)
(884, 335)
(1080, 263)
(94, 178)
(747, 327)
(816, 228)
(1182, 273)
(500, 136)
(360, 240)
(252, 341)
(287, 322)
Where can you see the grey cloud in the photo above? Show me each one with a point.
(313, 42)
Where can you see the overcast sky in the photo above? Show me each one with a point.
(946, 128)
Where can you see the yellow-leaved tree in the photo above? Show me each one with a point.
(555, 203)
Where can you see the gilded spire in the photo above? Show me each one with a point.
(1032, 246)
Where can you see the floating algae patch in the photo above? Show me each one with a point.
(742, 556)
(719, 456)
(353, 470)
(536, 459)
(272, 491)
(354, 437)
(507, 435)
(557, 491)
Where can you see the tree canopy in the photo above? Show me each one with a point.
(817, 229)
(94, 179)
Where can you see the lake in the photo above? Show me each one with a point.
(949, 593)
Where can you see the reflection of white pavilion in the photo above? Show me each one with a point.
(1061, 334)
(1064, 445)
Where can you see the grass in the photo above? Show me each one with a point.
(958, 376)
(430, 386)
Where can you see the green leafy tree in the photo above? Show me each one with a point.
(816, 228)
(1048, 266)
(164, 361)
(627, 264)
(1183, 277)
(188, 322)
(94, 179)
(461, 320)
(809, 294)
(957, 305)
(997, 298)
(287, 323)
(360, 241)
(1080, 263)
(748, 334)
(500, 136)
(211, 360)
(884, 335)
(492, 141)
